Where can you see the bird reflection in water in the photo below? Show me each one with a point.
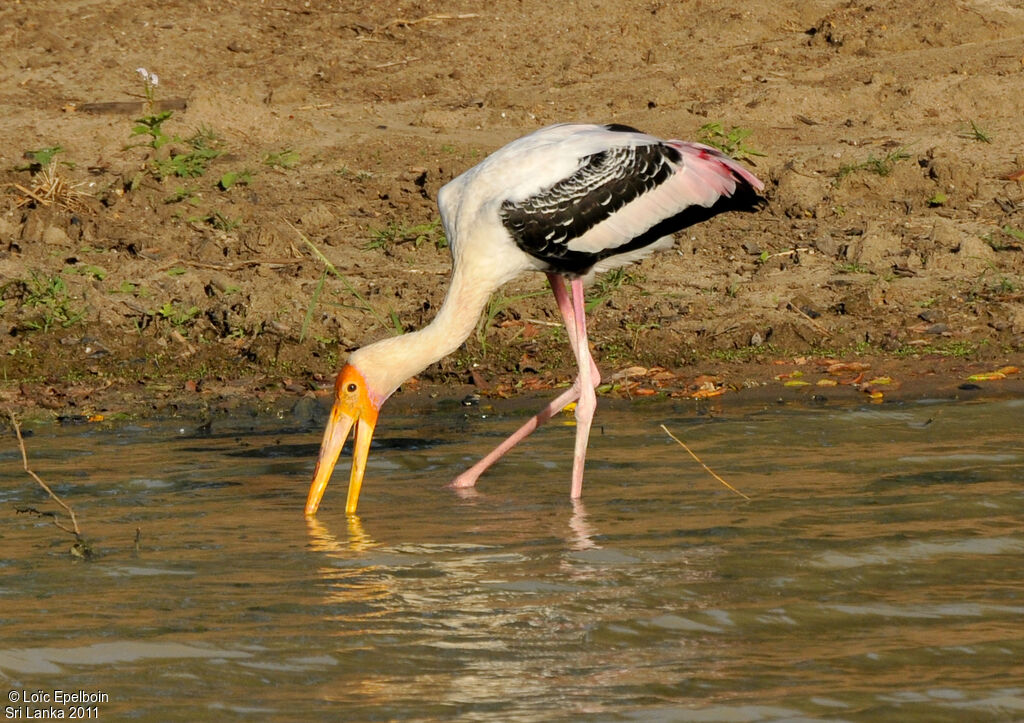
(582, 533)
(323, 540)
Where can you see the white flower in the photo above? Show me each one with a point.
(144, 73)
(153, 80)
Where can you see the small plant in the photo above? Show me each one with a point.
(497, 304)
(176, 315)
(998, 243)
(359, 175)
(188, 164)
(939, 199)
(852, 268)
(182, 193)
(1010, 231)
(607, 284)
(731, 142)
(397, 233)
(962, 349)
(639, 328)
(879, 166)
(223, 223)
(234, 178)
(396, 323)
(217, 220)
(153, 126)
(312, 306)
(975, 133)
(150, 81)
(41, 158)
(1004, 286)
(184, 165)
(50, 295)
(282, 159)
(746, 353)
(95, 272)
(205, 137)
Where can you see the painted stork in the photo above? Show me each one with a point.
(569, 200)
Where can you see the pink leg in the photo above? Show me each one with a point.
(470, 476)
(587, 382)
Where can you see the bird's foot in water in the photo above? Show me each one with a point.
(466, 480)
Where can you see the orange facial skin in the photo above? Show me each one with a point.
(354, 407)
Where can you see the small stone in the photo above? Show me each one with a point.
(828, 245)
(54, 236)
(305, 410)
(799, 194)
(33, 228)
(316, 218)
(945, 234)
(8, 231)
(873, 246)
(971, 256)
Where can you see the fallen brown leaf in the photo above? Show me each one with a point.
(629, 372)
(708, 393)
(840, 367)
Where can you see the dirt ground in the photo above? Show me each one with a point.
(284, 213)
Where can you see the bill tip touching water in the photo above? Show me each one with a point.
(569, 200)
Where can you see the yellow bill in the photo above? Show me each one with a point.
(353, 409)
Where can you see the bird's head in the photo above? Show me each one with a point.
(356, 406)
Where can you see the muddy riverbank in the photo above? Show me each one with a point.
(232, 232)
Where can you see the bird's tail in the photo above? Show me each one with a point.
(716, 168)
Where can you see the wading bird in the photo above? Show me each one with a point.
(569, 200)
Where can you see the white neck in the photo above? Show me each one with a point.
(388, 363)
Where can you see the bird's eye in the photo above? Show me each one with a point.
(351, 387)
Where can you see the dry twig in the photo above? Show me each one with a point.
(435, 18)
(820, 329)
(394, 63)
(56, 498)
(229, 267)
(709, 470)
(52, 190)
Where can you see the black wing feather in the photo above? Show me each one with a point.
(544, 224)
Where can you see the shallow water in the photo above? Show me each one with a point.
(874, 575)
